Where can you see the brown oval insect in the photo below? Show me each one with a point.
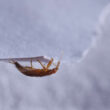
(30, 71)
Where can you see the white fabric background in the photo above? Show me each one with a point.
(32, 28)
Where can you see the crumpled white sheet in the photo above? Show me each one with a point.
(78, 86)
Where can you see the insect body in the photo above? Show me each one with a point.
(30, 71)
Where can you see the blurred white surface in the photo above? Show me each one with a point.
(33, 27)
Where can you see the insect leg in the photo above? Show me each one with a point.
(41, 64)
(31, 63)
(49, 63)
(58, 64)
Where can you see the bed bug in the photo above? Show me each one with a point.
(34, 72)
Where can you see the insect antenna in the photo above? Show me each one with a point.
(58, 63)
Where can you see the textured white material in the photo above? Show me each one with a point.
(47, 27)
